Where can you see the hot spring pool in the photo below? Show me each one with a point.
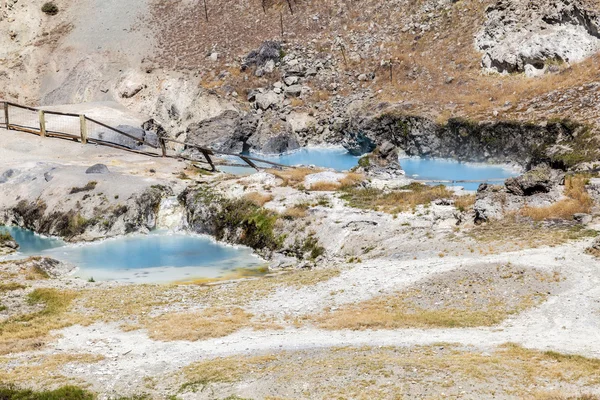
(432, 170)
(153, 258)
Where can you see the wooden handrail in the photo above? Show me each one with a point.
(84, 138)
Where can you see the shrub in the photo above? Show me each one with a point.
(50, 8)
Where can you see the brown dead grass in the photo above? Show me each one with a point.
(28, 331)
(514, 233)
(399, 372)
(297, 211)
(465, 203)
(395, 201)
(578, 201)
(44, 370)
(293, 176)
(259, 199)
(351, 179)
(207, 324)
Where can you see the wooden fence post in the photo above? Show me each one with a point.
(42, 118)
(83, 129)
(163, 146)
(6, 115)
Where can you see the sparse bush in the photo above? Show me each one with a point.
(50, 8)
(91, 185)
(11, 392)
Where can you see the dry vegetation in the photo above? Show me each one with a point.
(392, 373)
(577, 201)
(515, 233)
(209, 323)
(43, 370)
(395, 201)
(457, 299)
(259, 199)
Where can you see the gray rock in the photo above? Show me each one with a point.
(6, 175)
(382, 162)
(358, 144)
(582, 218)
(293, 91)
(268, 51)
(518, 33)
(97, 169)
(291, 80)
(538, 180)
(267, 100)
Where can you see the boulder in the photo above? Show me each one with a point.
(293, 91)
(517, 34)
(269, 51)
(6, 175)
(382, 162)
(541, 179)
(272, 136)
(97, 169)
(267, 100)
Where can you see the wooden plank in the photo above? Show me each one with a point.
(42, 123)
(23, 129)
(216, 152)
(207, 156)
(83, 129)
(250, 163)
(6, 114)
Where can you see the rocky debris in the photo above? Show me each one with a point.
(264, 59)
(97, 169)
(526, 36)
(539, 187)
(582, 218)
(593, 189)
(382, 162)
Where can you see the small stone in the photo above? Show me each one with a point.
(293, 91)
(97, 169)
(582, 218)
(291, 80)
(214, 57)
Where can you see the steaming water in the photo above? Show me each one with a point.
(428, 169)
(157, 257)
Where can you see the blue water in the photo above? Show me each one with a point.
(448, 170)
(157, 257)
(428, 169)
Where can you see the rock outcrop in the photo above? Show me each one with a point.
(528, 36)
(539, 187)
(382, 162)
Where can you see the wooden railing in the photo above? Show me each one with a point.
(86, 130)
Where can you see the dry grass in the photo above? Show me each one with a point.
(397, 200)
(465, 203)
(350, 180)
(27, 331)
(207, 324)
(456, 299)
(45, 370)
(578, 201)
(297, 211)
(293, 176)
(397, 372)
(513, 233)
(259, 199)
(324, 186)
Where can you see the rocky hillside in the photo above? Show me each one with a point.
(275, 75)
